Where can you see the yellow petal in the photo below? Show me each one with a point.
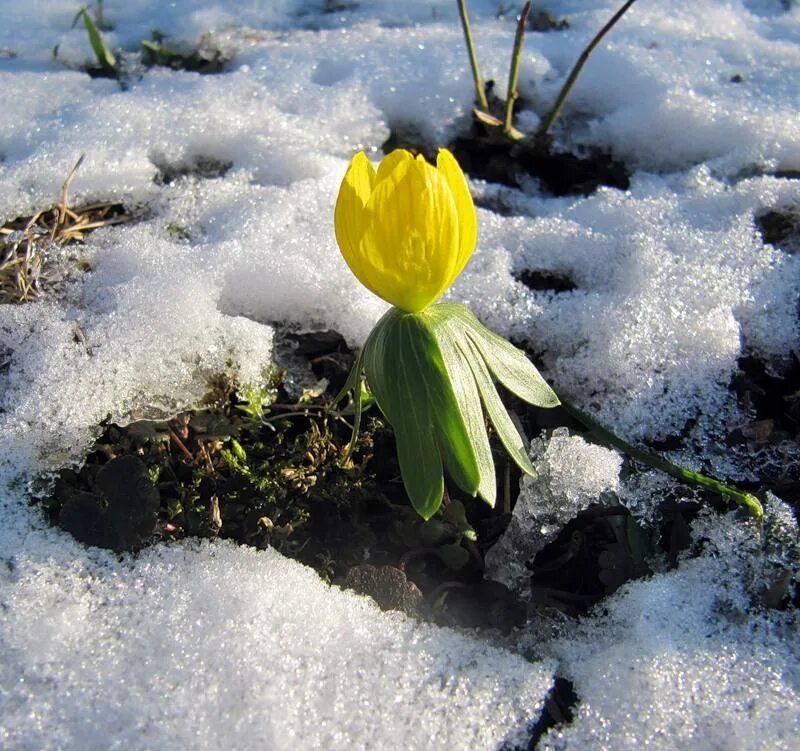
(467, 217)
(349, 218)
(411, 235)
(393, 161)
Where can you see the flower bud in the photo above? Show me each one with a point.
(407, 230)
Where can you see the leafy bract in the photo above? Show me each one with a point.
(432, 376)
(495, 409)
(469, 401)
(507, 364)
(406, 372)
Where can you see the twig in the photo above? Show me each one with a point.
(204, 452)
(473, 59)
(576, 71)
(181, 445)
(513, 75)
(507, 488)
(604, 436)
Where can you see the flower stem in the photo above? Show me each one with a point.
(576, 71)
(604, 436)
(513, 75)
(480, 92)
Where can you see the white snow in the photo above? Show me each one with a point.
(677, 662)
(213, 646)
(571, 475)
(210, 645)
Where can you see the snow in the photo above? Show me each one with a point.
(672, 280)
(571, 475)
(678, 664)
(210, 645)
(213, 645)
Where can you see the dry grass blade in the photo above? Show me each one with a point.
(28, 244)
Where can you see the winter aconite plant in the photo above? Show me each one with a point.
(407, 231)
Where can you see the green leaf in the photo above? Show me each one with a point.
(103, 54)
(397, 373)
(508, 364)
(503, 424)
(462, 382)
(238, 451)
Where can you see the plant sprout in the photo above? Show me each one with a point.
(105, 57)
(407, 231)
(482, 113)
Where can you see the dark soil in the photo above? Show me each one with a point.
(486, 154)
(204, 57)
(498, 159)
(559, 704)
(772, 399)
(262, 469)
(541, 280)
(201, 167)
(781, 228)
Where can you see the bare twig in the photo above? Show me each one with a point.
(63, 207)
(480, 92)
(513, 74)
(576, 71)
(26, 244)
(181, 445)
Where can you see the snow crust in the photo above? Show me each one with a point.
(678, 663)
(210, 646)
(214, 645)
(571, 475)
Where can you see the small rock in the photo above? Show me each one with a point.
(119, 514)
(387, 585)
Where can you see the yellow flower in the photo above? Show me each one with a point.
(407, 230)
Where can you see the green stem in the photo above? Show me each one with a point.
(473, 59)
(576, 71)
(513, 75)
(604, 436)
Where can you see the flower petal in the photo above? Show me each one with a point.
(411, 235)
(392, 161)
(448, 168)
(349, 217)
